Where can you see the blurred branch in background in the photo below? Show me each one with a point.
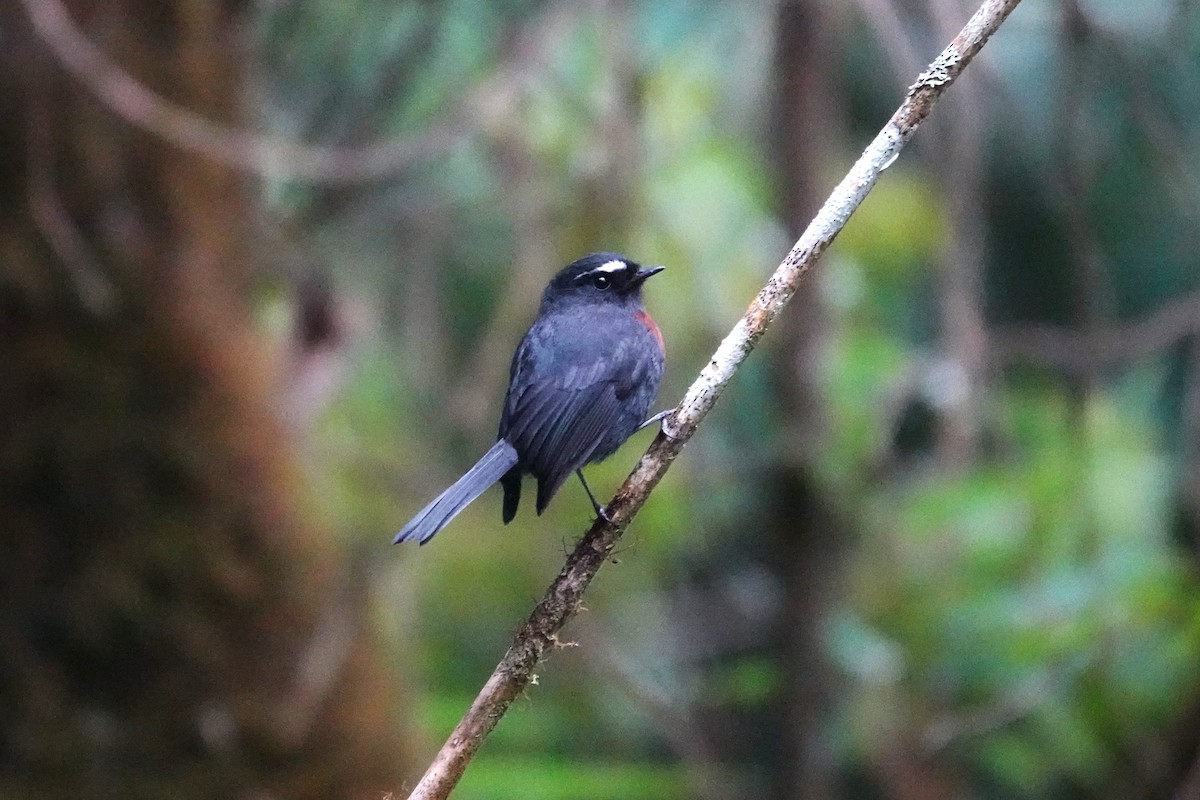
(563, 599)
(267, 156)
(71, 248)
(1080, 354)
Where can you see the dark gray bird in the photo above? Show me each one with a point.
(581, 383)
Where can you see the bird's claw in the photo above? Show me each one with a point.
(659, 417)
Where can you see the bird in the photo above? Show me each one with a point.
(581, 382)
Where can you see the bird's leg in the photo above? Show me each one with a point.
(659, 417)
(600, 512)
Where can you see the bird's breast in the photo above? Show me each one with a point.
(647, 320)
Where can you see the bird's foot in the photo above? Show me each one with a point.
(659, 417)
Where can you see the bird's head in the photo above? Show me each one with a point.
(601, 277)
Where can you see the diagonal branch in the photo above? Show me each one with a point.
(562, 600)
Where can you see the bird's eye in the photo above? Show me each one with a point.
(601, 282)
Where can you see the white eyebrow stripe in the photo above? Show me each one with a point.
(616, 265)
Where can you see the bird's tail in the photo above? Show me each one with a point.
(445, 507)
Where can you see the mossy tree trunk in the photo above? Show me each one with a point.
(174, 624)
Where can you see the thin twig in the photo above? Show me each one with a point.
(562, 600)
(270, 156)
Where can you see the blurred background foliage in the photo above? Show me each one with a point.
(938, 540)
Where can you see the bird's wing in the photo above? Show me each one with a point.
(566, 396)
(565, 409)
(553, 424)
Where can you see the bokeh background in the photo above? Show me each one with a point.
(262, 267)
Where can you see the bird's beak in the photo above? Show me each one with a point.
(640, 276)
